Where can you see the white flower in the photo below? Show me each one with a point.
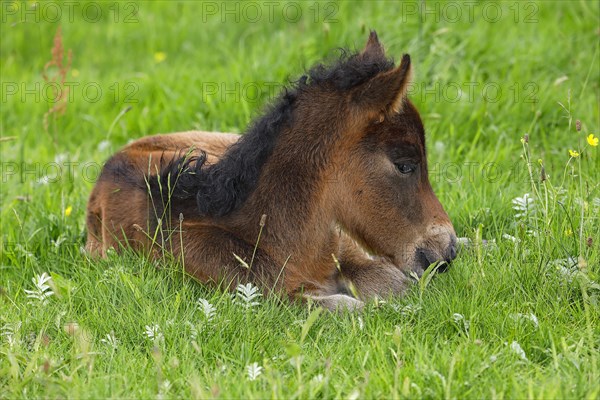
(518, 350)
(103, 145)
(354, 395)
(41, 291)
(567, 273)
(361, 324)
(153, 332)
(59, 241)
(510, 237)
(8, 331)
(570, 262)
(464, 241)
(457, 317)
(44, 180)
(246, 295)
(165, 386)
(567, 267)
(318, 378)
(207, 308)
(523, 206)
(113, 272)
(110, 340)
(254, 370)
(460, 320)
(531, 317)
(61, 158)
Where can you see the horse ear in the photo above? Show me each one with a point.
(373, 49)
(386, 91)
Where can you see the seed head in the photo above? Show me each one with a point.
(543, 174)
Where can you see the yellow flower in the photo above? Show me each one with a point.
(159, 57)
(68, 211)
(568, 232)
(574, 153)
(592, 141)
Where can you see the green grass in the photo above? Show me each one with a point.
(411, 347)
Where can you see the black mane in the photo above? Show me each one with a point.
(222, 187)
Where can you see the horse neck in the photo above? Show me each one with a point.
(293, 194)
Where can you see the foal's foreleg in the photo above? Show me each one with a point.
(370, 278)
(336, 302)
(212, 254)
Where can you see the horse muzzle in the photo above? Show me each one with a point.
(442, 247)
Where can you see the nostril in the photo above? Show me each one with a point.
(453, 249)
(452, 252)
(423, 259)
(443, 267)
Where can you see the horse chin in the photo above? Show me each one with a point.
(414, 267)
(418, 267)
(409, 267)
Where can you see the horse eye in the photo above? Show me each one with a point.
(406, 168)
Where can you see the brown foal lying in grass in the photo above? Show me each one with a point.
(338, 167)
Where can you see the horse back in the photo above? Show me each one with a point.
(118, 208)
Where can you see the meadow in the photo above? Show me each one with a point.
(510, 97)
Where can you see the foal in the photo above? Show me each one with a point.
(333, 171)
